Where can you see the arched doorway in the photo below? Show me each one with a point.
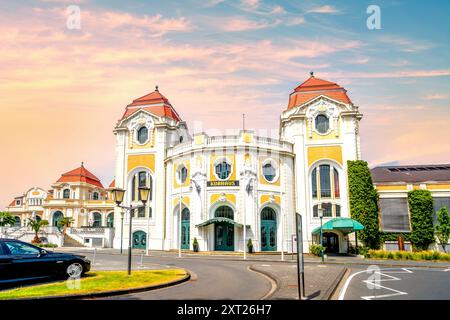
(223, 231)
(97, 220)
(57, 217)
(139, 240)
(185, 228)
(268, 229)
(17, 221)
(110, 220)
(331, 242)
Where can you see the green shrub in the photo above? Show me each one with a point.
(363, 251)
(364, 202)
(316, 249)
(421, 208)
(398, 255)
(406, 255)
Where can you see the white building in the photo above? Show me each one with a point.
(220, 185)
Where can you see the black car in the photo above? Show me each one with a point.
(21, 261)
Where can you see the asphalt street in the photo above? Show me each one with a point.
(381, 283)
(212, 279)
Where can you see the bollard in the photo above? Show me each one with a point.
(95, 253)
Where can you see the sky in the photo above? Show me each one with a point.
(63, 88)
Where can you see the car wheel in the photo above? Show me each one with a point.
(74, 270)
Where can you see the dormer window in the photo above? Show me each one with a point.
(17, 202)
(95, 196)
(322, 124)
(66, 194)
(142, 135)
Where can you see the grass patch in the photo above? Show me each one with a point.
(96, 282)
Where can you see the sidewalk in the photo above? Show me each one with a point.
(320, 280)
(260, 257)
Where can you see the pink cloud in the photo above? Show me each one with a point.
(323, 9)
(243, 24)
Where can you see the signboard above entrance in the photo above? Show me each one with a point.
(232, 183)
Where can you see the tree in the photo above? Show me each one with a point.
(64, 223)
(421, 212)
(364, 202)
(443, 228)
(6, 219)
(36, 225)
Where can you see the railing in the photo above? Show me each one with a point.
(233, 140)
(89, 230)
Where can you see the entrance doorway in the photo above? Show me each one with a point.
(185, 228)
(139, 240)
(331, 242)
(268, 230)
(224, 231)
(57, 217)
(224, 236)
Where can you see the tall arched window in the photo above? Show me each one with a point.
(141, 179)
(182, 174)
(322, 123)
(325, 191)
(66, 194)
(142, 135)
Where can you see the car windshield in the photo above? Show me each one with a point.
(20, 248)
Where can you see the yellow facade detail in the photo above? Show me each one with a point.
(333, 134)
(392, 187)
(230, 158)
(187, 164)
(149, 144)
(438, 186)
(141, 160)
(230, 198)
(199, 139)
(325, 152)
(247, 137)
(185, 200)
(266, 198)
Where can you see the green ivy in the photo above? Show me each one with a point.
(421, 211)
(364, 202)
(393, 236)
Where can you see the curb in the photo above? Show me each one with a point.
(334, 285)
(187, 277)
(272, 279)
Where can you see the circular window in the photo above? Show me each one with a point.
(182, 173)
(322, 124)
(269, 171)
(223, 169)
(142, 135)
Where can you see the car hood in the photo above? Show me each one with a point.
(64, 254)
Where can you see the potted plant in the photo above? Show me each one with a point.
(250, 246)
(36, 225)
(195, 245)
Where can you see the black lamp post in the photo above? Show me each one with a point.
(119, 194)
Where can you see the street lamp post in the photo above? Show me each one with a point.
(121, 231)
(320, 211)
(118, 198)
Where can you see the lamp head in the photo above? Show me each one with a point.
(118, 194)
(144, 193)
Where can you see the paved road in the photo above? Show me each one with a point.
(212, 279)
(380, 283)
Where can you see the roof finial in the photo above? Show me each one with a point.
(82, 164)
(156, 88)
(312, 73)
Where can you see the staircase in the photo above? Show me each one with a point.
(71, 242)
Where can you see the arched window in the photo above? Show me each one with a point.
(314, 183)
(322, 123)
(325, 181)
(66, 194)
(182, 174)
(110, 220)
(224, 212)
(95, 196)
(97, 220)
(269, 171)
(17, 221)
(223, 170)
(337, 192)
(268, 214)
(185, 214)
(142, 135)
(338, 210)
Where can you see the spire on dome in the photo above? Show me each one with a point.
(311, 74)
(156, 88)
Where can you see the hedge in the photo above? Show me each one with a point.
(364, 202)
(407, 255)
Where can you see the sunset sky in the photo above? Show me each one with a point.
(62, 90)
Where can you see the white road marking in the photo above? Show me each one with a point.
(376, 284)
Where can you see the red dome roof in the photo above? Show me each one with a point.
(155, 103)
(314, 87)
(80, 174)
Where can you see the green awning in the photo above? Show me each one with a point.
(346, 225)
(217, 220)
